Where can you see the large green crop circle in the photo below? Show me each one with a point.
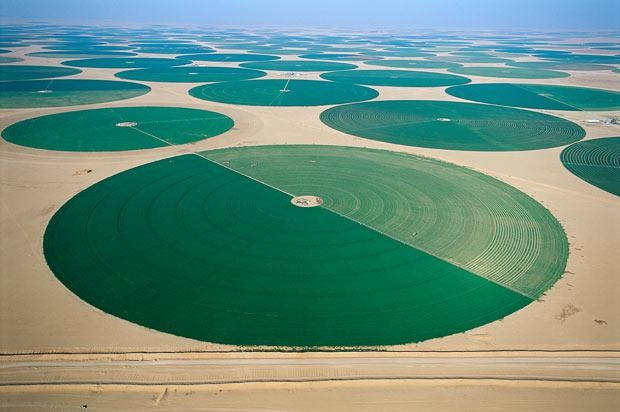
(125, 62)
(27, 72)
(452, 125)
(510, 72)
(299, 66)
(229, 57)
(596, 161)
(119, 128)
(276, 92)
(66, 92)
(210, 247)
(402, 78)
(190, 74)
(539, 96)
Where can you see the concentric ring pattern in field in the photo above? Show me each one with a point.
(510, 72)
(299, 65)
(119, 128)
(276, 92)
(452, 125)
(66, 92)
(539, 96)
(210, 247)
(401, 78)
(125, 62)
(190, 74)
(28, 72)
(596, 161)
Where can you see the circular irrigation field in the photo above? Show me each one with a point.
(452, 125)
(125, 62)
(276, 92)
(401, 78)
(66, 92)
(119, 128)
(413, 64)
(81, 54)
(539, 96)
(510, 72)
(596, 161)
(229, 57)
(214, 247)
(26, 72)
(190, 74)
(299, 66)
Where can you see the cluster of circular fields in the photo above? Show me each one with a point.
(66, 92)
(596, 161)
(119, 128)
(539, 96)
(399, 248)
(452, 125)
(275, 92)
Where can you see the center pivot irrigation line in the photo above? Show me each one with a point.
(283, 90)
(191, 152)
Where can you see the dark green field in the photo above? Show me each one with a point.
(400, 78)
(539, 96)
(98, 130)
(596, 161)
(452, 125)
(193, 247)
(66, 92)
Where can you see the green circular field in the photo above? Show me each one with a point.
(66, 92)
(210, 247)
(539, 96)
(299, 66)
(471, 59)
(552, 65)
(190, 74)
(402, 78)
(596, 161)
(413, 64)
(337, 56)
(452, 125)
(5, 60)
(125, 62)
(119, 128)
(510, 72)
(229, 57)
(83, 54)
(27, 72)
(275, 92)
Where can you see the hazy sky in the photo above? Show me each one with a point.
(347, 14)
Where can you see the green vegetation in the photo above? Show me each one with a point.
(596, 161)
(188, 246)
(299, 66)
(401, 78)
(190, 74)
(511, 72)
(26, 72)
(452, 125)
(66, 92)
(119, 128)
(275, 92)
(539, 96)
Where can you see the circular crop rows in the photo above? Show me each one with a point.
(24, 72)
(401, 78)
(539, 96)
(452, 125)
(190, 74)
(193, 246)
(299, 66)
(119, 128)
(275, 92)
(596, 161)
(66, 92)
